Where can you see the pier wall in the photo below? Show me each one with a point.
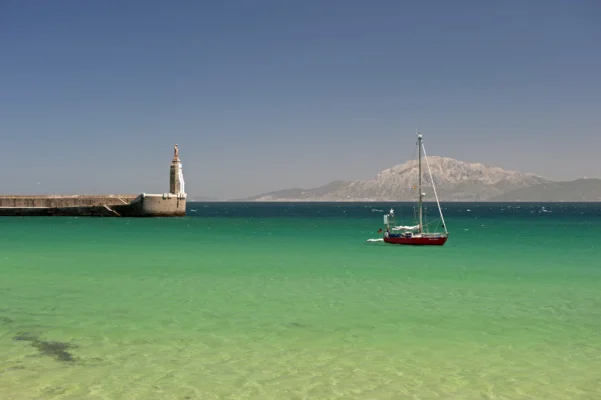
(144, 205)
(51, 201)
(154, 205)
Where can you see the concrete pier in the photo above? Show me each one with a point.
(172, 204)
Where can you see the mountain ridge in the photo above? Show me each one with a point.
(455, 181)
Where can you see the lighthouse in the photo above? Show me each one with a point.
(176, 176)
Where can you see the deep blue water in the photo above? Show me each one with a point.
(370, 210)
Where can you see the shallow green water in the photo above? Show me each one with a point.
(291, 302)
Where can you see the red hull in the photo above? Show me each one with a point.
(417, 241)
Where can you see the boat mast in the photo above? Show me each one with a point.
(419, 146)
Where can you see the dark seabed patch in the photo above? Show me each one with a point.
(297, 325)
(58, 350)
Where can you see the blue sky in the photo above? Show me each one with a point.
(264, 95)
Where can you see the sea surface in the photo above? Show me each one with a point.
(290, 301)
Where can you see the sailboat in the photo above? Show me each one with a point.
(418, 233)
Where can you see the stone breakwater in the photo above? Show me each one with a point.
(144, 205)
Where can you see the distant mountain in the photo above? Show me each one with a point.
(202, 198)
(297, 194)
(573, 191)
(455, 181)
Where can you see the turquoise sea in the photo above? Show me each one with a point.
(289, 301)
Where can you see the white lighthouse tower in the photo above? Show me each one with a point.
(177, 185)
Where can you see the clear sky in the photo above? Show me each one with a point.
(270, 94)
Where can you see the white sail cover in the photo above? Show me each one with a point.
(405, 228)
